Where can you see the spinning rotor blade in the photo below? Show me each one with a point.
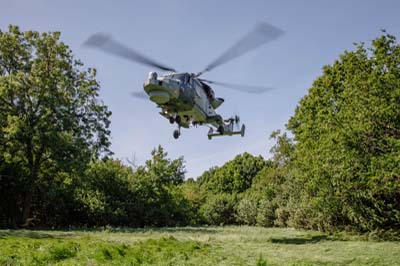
(261, 34)
(105, 43)
(244, 88)
(140, 95)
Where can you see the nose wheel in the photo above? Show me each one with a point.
(177, 133)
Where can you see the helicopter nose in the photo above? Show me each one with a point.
(159, 96)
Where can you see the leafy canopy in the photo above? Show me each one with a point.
(50, 117)
(347, 133)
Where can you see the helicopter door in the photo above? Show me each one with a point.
(201, 97)
(197, 89)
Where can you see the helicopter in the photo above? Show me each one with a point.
(184, 98)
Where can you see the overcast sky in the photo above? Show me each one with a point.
(188, 35)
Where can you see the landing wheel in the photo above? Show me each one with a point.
(209, 133)
(178, 119)
(176, 133)
(242, 130)
(172, 120)
(221, 130)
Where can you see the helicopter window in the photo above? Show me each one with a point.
(207, 89)
(197, 83)
(182, 77)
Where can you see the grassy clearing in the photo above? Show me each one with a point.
(192, 246)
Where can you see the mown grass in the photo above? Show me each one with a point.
(192, 246)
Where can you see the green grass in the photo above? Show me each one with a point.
(193, 246)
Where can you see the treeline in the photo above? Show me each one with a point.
(107, 193)
(340, 169)
(337, 166)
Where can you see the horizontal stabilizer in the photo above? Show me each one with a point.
(227, 133)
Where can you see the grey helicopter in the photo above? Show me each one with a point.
(185, 98)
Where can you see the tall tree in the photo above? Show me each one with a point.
(347, 133)
(51, 119)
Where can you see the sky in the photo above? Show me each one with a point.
(190, 34)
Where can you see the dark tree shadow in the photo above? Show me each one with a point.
(301, 240)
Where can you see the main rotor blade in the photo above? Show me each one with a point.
(243, 88)
(261, 34)
(105, 43)
(140, 95)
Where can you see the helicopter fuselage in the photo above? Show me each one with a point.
(184, 99)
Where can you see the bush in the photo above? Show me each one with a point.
(246, 210)
(63, 251)
(219, 209)
(266, 213)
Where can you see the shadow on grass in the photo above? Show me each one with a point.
(301, 240)
(31, 234)
(63, 233)
(189, 230)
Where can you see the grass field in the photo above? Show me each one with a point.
(192, 246)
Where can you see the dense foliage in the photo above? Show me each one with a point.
(340, 169)
(111, 193)
(347, 132)
(51, 122)
(337, 166)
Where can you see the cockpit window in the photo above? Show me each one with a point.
(207, 89)
(197, 83)
(182, 77)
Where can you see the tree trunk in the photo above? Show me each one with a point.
(26, 208)
(26, 211)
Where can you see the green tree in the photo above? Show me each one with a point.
(195, 197)
(219, 209)
(162, 202)
(234, 176)
(347, 133)
(51, 119)
(221, 189)
(165, 170)
(247, 208)
(104, 197)
(111, 193)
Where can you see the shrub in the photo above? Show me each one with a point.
(219, 209)
(246, 210)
